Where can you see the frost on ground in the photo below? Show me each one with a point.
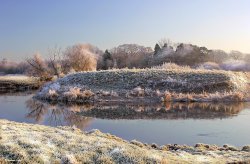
(149, 85)
(19, 78)
(18, 82)
(27, 143)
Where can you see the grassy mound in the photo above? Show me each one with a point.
(154, 85)
(27, 143)
(196, 81)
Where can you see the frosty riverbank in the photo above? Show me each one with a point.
(36, 143)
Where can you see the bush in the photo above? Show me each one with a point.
(170, 66)
(82, 57)
(235, 65)
(209, 66)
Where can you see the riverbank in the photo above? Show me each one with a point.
(12, 83)
(36, 143)
(149, 85)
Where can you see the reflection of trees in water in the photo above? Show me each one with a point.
(226, 108)
(72, 114)
(37, 110)
(56, 114)
(166, 111)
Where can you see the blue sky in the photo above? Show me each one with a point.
(29, 26)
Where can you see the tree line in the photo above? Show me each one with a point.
(86, 57)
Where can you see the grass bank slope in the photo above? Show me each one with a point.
(149, 84)
(27, 143)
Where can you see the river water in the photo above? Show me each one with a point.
(177, 123)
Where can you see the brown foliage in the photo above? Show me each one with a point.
(82, 57)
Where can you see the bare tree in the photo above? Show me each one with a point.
(130, 55)
(236, 55)
(55, 61)
(38, 67)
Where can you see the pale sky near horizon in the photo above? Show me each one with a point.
(30, 26)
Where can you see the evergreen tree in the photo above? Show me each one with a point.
(157, 48)
(107, 57)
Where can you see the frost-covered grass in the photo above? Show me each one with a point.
(19, 78)
(172, 66)
(27, 143)
(18, 82)
(151, 84)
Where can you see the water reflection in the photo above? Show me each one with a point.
(79, 114)
(180, 123)
(167, 111)
(20, 93)
(56, 115)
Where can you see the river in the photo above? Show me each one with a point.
(161, 124)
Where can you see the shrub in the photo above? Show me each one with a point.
(209, 66)
(82, 57)
(235, 65)
(171, 66)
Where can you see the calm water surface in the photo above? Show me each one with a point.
(162, 124)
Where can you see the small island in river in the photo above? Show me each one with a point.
(149, 86)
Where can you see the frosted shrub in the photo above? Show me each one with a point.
(167, 96)
(86, 94)
(52, 94)
(71, 94)
(75, 90)
(209, 66)
(168, 66)
(235, 65)
(82, 57)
